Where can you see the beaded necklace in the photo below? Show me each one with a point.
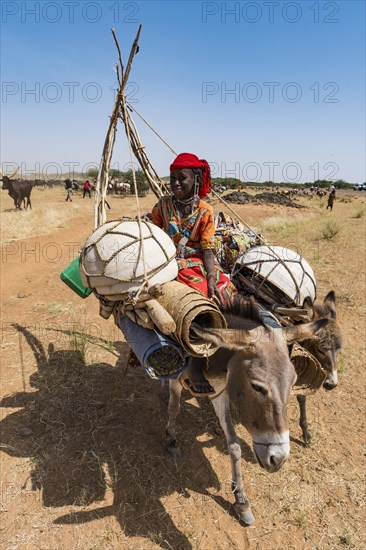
(189, 205)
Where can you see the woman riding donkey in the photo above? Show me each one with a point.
(189, 221)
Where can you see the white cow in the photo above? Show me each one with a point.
(121, 188)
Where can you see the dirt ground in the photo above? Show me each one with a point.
(83, 462)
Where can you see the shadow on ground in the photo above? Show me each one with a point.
(90, 429)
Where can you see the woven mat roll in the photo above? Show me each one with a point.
(310, 374)
(186, 306)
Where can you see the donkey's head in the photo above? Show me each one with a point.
(259, 377)
(328, 341)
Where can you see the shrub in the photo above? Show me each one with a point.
(359, 213)
(330, 230)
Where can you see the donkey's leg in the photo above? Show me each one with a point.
(301, 399)
(165, 391)
(175, 390)
(222, 409)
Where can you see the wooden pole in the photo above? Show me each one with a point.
(105, 162)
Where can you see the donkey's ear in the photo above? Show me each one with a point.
(298, 333)
(198, 334)
(330, 302)
(230, 339)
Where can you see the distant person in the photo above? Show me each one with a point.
(68, 187)
(331, 199)
(86, 189)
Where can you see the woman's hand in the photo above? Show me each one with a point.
(211, 285)
(209, 265)
(147, 217)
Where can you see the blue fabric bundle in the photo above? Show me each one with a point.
(268, 318)
(161, 356)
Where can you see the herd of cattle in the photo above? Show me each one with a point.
(295, 191)
(20, 190)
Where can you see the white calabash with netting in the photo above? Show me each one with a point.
(120, 255)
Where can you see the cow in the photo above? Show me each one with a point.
(19, 191)
(122, 188)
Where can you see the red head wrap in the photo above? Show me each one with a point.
(187, 160)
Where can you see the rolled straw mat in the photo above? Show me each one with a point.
(188, 306)
(310, 373)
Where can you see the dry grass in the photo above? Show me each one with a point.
(346, 199)
(359, 213)
(329, 230)
(43, 220)
(57, 309)
(280, 227)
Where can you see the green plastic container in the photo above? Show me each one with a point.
(71, 277)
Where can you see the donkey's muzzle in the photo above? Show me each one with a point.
(331, 381)
(272, 456)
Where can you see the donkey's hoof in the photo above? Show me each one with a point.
(174, 452)
(244, 514)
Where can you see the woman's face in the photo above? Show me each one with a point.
(182, 183)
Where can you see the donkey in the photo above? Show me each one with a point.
(325, 348)
(251, 371)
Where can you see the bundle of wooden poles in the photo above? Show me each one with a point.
(122, 111)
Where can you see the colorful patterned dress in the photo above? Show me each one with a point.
(192, 235)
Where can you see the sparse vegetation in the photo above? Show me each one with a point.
(300, 519)
(79, 342)
(280, 227)
(346, 540)
(41, 220)
(341, 361)
(58, 309)
(360, 212)
(346, 199)
(330, 230)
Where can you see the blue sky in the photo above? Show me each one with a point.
(261, 89)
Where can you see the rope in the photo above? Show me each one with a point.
(102, 180)
(151, 128)
(262, 240)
